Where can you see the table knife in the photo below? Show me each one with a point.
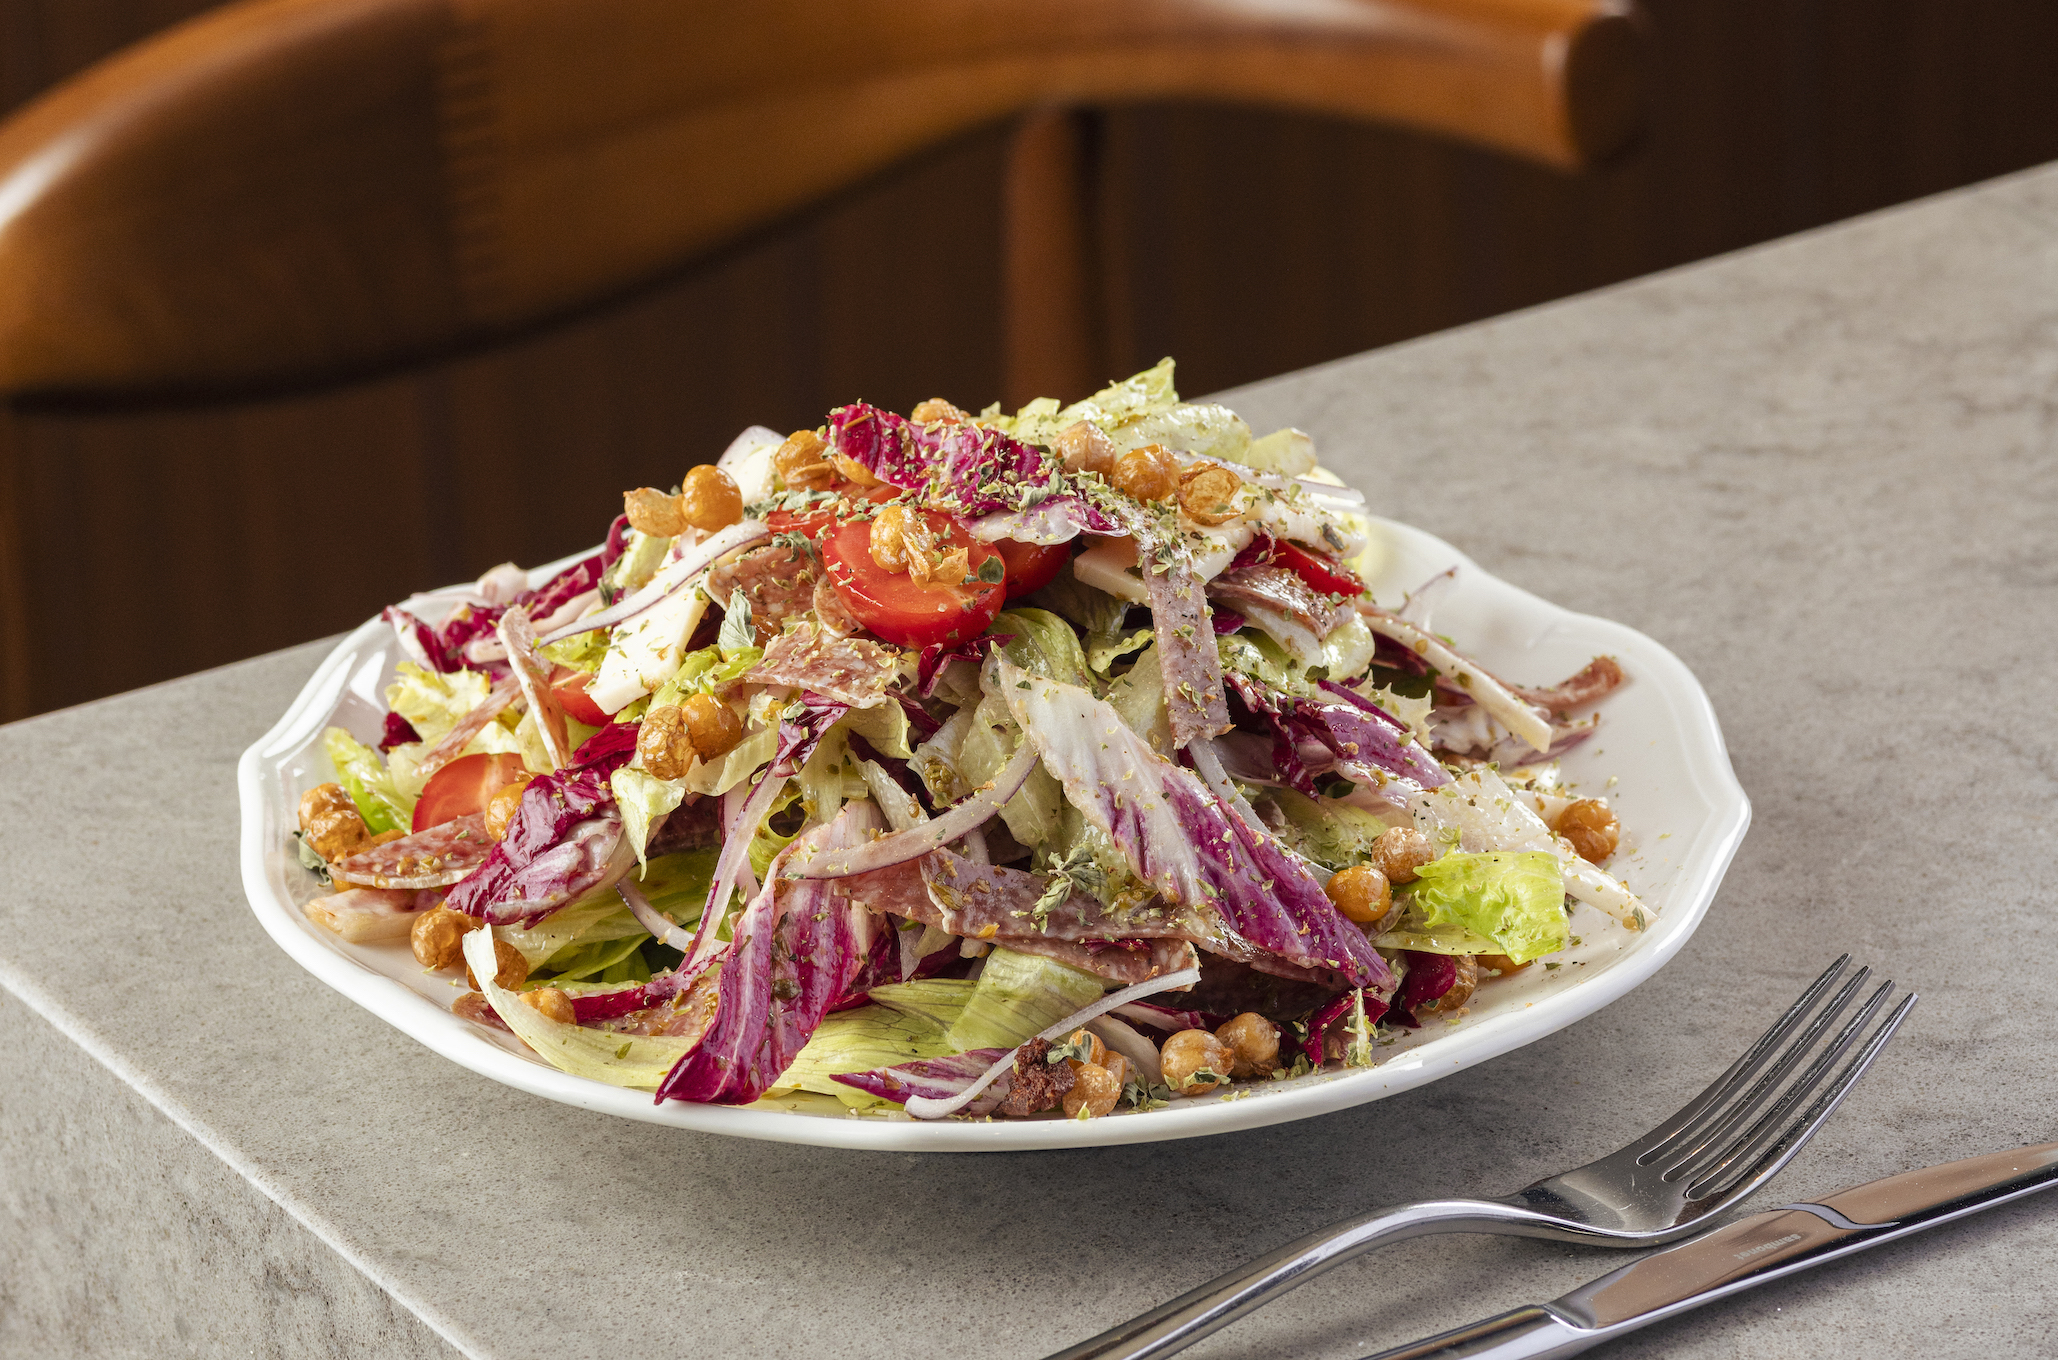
(1748, 1252)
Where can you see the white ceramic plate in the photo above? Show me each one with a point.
(1681, 807)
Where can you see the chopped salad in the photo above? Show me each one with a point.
(1048, 764)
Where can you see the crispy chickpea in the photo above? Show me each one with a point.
(1084, 448)
(802, 462)
(1094, 1092)
(1400, 851)
(330, 822)
(1195, 1062)
(510, 968)
(853, 470)
(1096, 1051)
(500, 808)
(1253, 1043)
(1360, 892)
(664, 743)
(1592, 829)
(1149, 473)
(1461, 990)
(897, 535)
(711, 725)
(438, 937)
(1500, 964)
(709, 499)
(1207, 493)
(937, 411)
(652, 512)
(552, 1004)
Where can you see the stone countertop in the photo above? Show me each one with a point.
(1825, 472)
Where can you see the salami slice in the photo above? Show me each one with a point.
(435, 858)
(470, 725)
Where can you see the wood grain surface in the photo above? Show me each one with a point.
(1768, 116)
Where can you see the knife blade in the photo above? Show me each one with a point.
(1743, 1254)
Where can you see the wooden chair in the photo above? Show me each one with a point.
(292, 192)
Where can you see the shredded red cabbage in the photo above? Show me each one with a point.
(399, 732)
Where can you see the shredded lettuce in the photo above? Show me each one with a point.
(598, 919)
(604, 961)
(940, 1000)
(859, 1040)
(581, 651)
(766, 843)
(677, 884)
(642, 555)
(1139, 696)
(1017, 995)
(1513, 901)
(1042, 642)
(362, 776)
(1289, 452)
(642, 798)
(1334, 835)
(433, 703)
(709, 670)
(636, 1061)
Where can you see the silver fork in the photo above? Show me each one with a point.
(1717, 1149)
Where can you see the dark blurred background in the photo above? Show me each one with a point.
(1243, 243)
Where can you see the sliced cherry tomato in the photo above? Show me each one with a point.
(570, 688)
(823, 514)
(898, 609)
(464, 786)
(1319, 570)
(1031, 566)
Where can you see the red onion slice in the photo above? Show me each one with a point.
(923, 1107)
(518, 635)
(899, 847)
(669, 581)
(647, 916)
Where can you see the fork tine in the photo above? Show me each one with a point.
(1742, 1069)
(1718, 1130)
(1774, 1154)
(1697, 1165)
(1690, 1115)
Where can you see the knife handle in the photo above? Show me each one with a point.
(1520, 1335)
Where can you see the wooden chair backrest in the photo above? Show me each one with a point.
(294, 191)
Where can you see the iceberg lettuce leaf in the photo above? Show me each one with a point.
(1016, 996)
(1516, 900)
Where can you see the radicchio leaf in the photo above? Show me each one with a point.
(1180, 839)
(798, 946)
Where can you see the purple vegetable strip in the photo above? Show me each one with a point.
(1429, 977)
(564, 841)
(798, 946)
(970, 470)
(936, 1079)
(1180, 839)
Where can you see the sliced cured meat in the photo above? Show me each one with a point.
(1186, 646)
(453, 742)
(1599, 677)
(776, 581)
(369, 915)
(435, 858)
(850, 670)
(1263, 590)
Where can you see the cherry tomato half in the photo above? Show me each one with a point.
(1322, 572)
(824, 514)
(898, 609)
(570, 688)
(1031, 566)
(464, 786)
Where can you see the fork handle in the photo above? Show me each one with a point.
(1176, 1325)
